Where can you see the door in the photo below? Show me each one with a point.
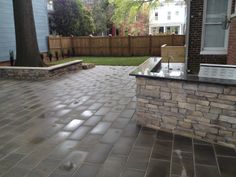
(215, 27)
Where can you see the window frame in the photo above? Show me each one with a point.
(213, 50)
(169, 15)
(156, 16)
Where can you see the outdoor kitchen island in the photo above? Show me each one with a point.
(171, 100)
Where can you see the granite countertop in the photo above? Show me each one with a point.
(153, 68)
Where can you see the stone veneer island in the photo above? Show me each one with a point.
(177, 102)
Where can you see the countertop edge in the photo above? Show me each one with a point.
(186, 78)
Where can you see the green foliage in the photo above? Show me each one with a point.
(126, 10)
(100, 13)
(71, 18)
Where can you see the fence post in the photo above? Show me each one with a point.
(172, 39)
(129, 44)
(49, 44)
(72, 45)
(150, 45)
(61, 48)
(110, 45)
(90, 42)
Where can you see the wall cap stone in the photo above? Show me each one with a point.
(42, 68)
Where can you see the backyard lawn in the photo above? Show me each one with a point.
(113, 61)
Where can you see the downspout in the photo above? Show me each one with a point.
(188, 3)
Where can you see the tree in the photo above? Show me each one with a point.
(27, 51)
(140, 26)
(87, 25)
(101, 16)
(71, 18)
(126, 10)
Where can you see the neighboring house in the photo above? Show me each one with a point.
(212, 33)
(7, 27)
(169, 17)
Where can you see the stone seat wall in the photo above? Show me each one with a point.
(39, 73)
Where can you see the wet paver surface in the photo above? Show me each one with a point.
(82, 125)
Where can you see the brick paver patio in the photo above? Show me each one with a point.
(82, 125)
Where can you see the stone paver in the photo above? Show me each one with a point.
(82, 125)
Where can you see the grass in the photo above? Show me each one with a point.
(112, 61)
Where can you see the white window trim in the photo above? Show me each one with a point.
(213, 51)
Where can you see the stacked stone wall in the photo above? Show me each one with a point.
(204, 111)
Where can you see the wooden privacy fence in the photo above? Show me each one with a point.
(114, 46)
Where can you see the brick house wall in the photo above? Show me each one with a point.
(195, 35)
(232, 43)
(232, 40)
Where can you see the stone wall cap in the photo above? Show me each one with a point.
(42, 68)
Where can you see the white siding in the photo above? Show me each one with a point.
(163, 21)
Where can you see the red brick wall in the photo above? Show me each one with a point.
(5, 63)
(232, 40)
(195, 34)
(232, 43)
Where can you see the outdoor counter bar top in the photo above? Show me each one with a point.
(177, 102)
(153, 68)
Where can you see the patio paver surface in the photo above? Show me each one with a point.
(82, 125)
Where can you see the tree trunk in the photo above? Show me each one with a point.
(27, 51)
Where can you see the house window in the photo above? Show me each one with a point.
(177, 13)
(214, 35)
(156, 15)
(172, 29)
(169, 16)
(161, 29)
(176, 30)
(168, 29)
(154, 30)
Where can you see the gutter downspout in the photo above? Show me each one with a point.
(188, 3)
